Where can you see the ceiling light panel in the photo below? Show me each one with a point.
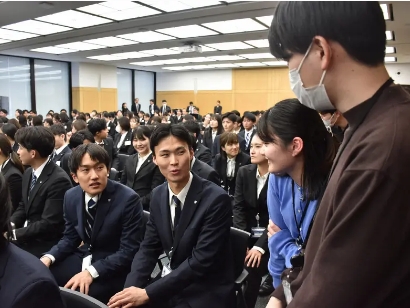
(266, 20)
(257, 56)
(53, 50)
(110, 41)
(4, 41)
(226, 58)
(225, 65)
(187, 31)
(206, 48)
(146, 37)
(201, 67)
(390, 49)
(175, 61)
(74, 19)
(276, 63)
(131, 55)
(389, 36)
(198, 59)
(11, 35)
(175, 68)
(160, 52)
(390, 59)
(105, 58)
(229, 46)
(235, 26)
(179, 5)
(248, 64)
(148, 63)
(258, 43)
(80, 46)
(119, 10)
(386, 11)
(37, 27)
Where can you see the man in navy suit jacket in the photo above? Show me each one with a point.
(24, 281)
(103, 215)
(190, 220)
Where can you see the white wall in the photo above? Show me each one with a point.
(144, 88)
(195, 80)
(399, 72)
(96, 75)
(124, 87)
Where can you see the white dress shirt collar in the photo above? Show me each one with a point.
(260, 181)
(182, 194)
(193, 161)
(88, 198)
(40, 169)
(60, 149)
(4, 164)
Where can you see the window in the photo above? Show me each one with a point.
(124, 87)
(144, 88)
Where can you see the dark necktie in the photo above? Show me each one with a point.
(33, 181)
(90, 216)
(178, 211)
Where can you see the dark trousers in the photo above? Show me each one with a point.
(36, 247)
(255, 279)
(100, 289)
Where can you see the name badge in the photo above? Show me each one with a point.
(108, 127)
(127, 142)
(58, 163)
(257, 232)
(166, 270)
(86, 262)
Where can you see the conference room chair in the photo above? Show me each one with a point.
(74, 299)
(121, 163)
(114, 175)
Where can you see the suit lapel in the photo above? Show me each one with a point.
(238, 163)
(224, 163)
(165, 212)
(26, 184)
(80, 215)
(253, 186)
(103, 206)
(145, 163)
(40, 181)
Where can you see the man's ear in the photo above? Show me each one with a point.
(74, 176)
(154, 159)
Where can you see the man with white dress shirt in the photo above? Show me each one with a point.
(61, 147)
(248, 123)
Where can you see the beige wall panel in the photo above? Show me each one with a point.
(175, 99)
(206, 100)
(108, 100)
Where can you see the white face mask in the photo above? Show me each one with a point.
(315, 97)
(326, 122)
(118, 129)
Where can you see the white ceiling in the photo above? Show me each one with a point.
(146, 34)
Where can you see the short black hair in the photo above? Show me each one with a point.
(165, 130)
(33, 111)
(38, 138)
(359, 27)
(49, 121)
(9, 130)
(193, 127)
(164, 100)
(4, 111)
(58, 130)
(189, 117)
(142, 132)
(124, 123)
(97, 154)
(96, 125)
(74, 111)
(250, 116)
(236, 112)
(64, 117)
(63, 110)
(78, 138)
(38, 121)
(106, 114)
(3, 120)
(230, 116)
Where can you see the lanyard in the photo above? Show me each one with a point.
(299, 240)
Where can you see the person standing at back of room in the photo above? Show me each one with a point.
(357, 252)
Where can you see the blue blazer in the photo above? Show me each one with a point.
(202, 261)
(25, 281)
(117, 230)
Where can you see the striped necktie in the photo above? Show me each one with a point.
(33, 181)
(247, 138)
(90, 212)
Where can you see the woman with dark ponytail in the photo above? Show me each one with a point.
(12, 169)
(300, 152)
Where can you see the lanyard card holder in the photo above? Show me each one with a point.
(166, 270)
(256, 232)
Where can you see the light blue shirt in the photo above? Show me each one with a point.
(282, 245)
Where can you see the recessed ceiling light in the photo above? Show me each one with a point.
(53, 50)
(80, 46)
(276, 63)
(37, 27)
(206, 48)
(201, 67)
(119, 10)
(175, 68)
(258, 43)
(131, 55)
(226, 58)
(74, 19)
(105, 58)
(386, 11)
(235, 26)
(198, 59)
(148, 63)
(160, 52)
(110, 41)
(175, 61)
(257, 56)
(389, 35)
(11, 35)
(230, 46)
(187, 31)
(390, 49)
(3, 42)
(251, 64)
(146, 37)
(267, 20)
(178, 5)
(222, 65)
(390, 59)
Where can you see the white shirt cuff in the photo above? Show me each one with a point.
(259, 249)
(91, 269)
(50, 257)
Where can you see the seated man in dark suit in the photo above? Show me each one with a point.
(24, 281)
(61, 147)
(104, 215)
(201, 152)
(248, 123)
(98, 127)
(228, 122)
(39, 219)
(10, 131)
(190, 220)
(250, 213)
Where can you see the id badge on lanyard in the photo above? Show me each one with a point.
(257, 231)
(166, 270)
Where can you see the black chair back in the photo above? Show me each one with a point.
(74, 299)
(121, 161)
(239, 243)
(114, 175)
(146, 218)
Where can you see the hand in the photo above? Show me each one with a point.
(272, 229)
(46, 261)
(82, 280)
(130, 297)
(253, 257)
(274, 303)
